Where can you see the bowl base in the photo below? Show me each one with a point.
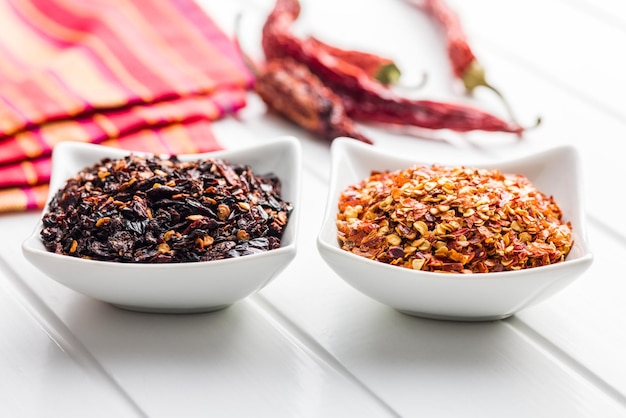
(457, 318)
(176, 311)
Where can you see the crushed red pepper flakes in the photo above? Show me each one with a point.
(452, 220)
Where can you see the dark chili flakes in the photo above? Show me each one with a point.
(162, 210)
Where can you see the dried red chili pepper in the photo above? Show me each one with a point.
(365, 99)
(465, 65)
(290, 89)
(376, 66)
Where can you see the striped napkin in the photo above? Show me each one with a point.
(143, 75)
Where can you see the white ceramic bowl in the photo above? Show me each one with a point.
(474, 297)
(179, 287)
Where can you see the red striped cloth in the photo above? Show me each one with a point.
(135, 74)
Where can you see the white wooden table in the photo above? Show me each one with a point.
(308, 345)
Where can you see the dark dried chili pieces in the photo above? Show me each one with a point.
(290, 89)
(162, 210)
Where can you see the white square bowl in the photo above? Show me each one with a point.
(466, 297)
(174, 287)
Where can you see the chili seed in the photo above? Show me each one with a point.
(103, 221)
(223, 211)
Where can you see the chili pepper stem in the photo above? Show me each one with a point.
(388, 74)
(474, 76)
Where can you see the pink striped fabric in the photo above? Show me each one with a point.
(140, 75)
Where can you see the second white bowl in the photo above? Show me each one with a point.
(472, 297)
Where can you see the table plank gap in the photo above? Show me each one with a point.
(566, 360)
(602, 12)
(61, 335)
(312, 347)
(558, 82)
